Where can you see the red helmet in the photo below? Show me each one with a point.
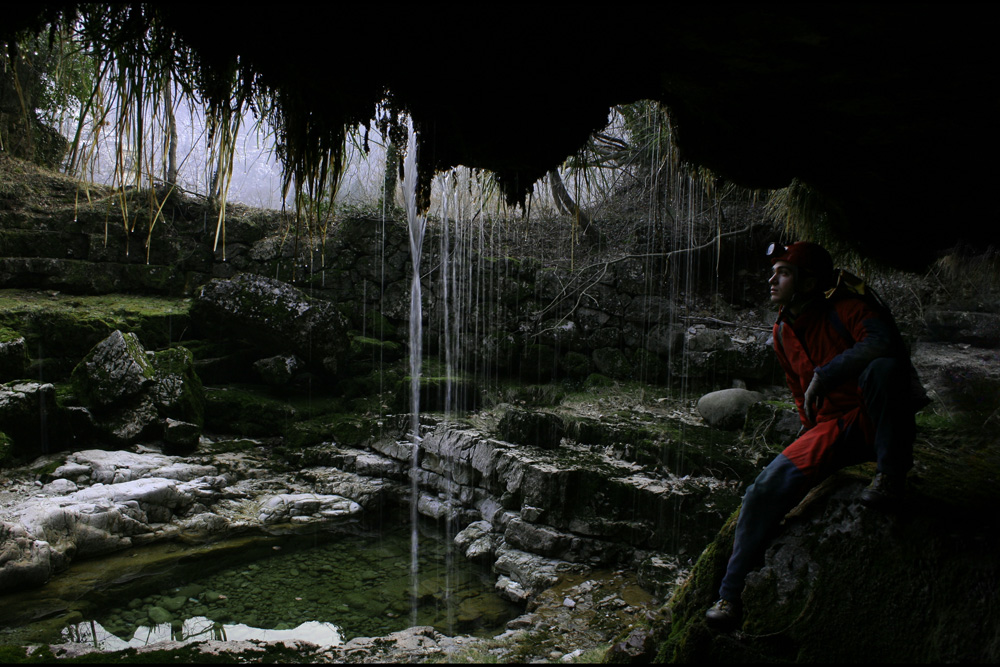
(808, 257)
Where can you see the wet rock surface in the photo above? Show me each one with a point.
(277, 317)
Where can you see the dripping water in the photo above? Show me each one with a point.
(417, 225)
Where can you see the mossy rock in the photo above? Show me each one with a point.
(613, 362)
(649, 367)
(178, 392)
(374, 351)
(13, 356)
(246, 412)
(687, 638)
(575, 365)
(379, 326)
(342, 429)
(595, 380)
(903, 584)
(435, 391)
(66, 327)
(116, 368)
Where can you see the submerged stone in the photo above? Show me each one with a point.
(159, 615)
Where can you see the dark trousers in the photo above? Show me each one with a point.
(883, 429)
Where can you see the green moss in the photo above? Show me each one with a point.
(576, 366)
(48, 468)
(598, 380)
(688, 635)
(18, 655)
(276, 653)
(375, 351)
(68, 326)
(343, 429)
(246, 412)
(7, 334)
(189, 406)
(378, 325)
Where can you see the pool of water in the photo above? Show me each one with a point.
(326, 592)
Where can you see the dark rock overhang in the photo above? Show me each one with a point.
(888, 112)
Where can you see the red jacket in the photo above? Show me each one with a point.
(836, 340)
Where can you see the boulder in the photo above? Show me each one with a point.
(727, 408)
(664, 340)
(27, 413)
(130, 391)
(25, 562)
(533, 573)
(13, 358)
(288, 507)
(842, 583)
(274, 316)
(115, 369)
(613, 362)
(701, 339)
(130, 423)
(279, 370)
(476, 541)
(177, 391)
(181, 436)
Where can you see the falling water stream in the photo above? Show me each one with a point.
(417, 225)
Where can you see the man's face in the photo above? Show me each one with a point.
(782, 284)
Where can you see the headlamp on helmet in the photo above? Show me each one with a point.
(807, 257)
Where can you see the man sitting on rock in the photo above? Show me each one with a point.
(850, 375)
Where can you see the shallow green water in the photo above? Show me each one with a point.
(324, 593)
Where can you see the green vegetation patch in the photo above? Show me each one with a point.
(246, 412)
(56, 324)
(342, 429)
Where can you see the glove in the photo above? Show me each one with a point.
(814, 394)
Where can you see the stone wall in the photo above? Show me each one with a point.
(522, 317)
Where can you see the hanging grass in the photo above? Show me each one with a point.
(138, 69)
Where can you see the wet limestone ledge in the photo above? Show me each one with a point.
(570, 505)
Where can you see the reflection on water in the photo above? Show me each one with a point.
(199, 629)
(324, 593)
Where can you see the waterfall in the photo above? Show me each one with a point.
(417, 225)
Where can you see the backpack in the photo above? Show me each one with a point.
(847, 285)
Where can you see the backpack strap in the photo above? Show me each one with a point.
(838, 326)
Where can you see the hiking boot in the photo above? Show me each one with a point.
(883, 490)
(723, 615)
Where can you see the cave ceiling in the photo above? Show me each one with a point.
(889, 112)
